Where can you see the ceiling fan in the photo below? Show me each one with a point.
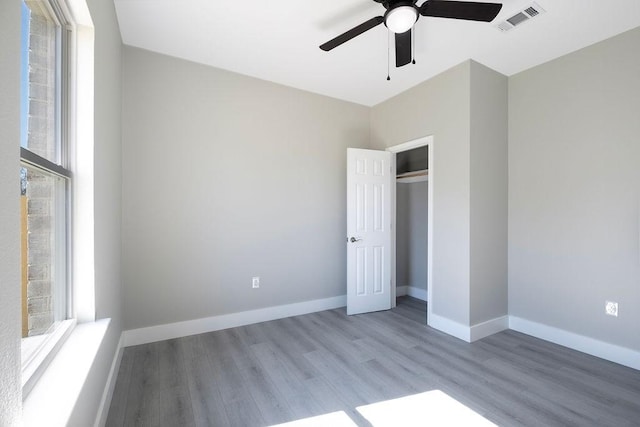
(402, 15)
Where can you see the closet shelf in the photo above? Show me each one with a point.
(413, 176)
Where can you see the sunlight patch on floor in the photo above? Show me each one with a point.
(333, 419)
(434, 408)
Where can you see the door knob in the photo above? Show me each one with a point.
(353, 239)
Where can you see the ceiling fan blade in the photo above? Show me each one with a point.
(471, 11)
(403, 48)
(354, 32)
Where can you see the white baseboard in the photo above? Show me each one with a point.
(105, 402)
(225, 321)
(469, 333)
(412, 291)
(450, 327)
(418, 293)
(490, 327)
(611, 352)
(622, 355)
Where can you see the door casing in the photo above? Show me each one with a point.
(410, 145)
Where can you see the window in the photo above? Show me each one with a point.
(45, 185)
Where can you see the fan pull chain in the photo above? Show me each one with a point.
(413, 45)
(388, 55)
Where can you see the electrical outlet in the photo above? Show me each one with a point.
(611, 308)
(255, 282)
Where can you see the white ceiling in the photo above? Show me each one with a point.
(278, 40)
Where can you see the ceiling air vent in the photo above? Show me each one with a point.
(520, 17)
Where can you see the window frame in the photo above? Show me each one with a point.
(34, 366)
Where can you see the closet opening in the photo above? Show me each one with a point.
(411, 276)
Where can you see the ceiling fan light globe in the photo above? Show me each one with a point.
(400, 19)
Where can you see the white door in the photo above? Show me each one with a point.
(368, 230)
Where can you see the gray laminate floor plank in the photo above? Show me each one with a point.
(410, 361)
(533, 359)
(331, 400)
(412, 309)
(335, 320)
(286, 381)
(118, 408)
(206, 399)
(377, 329)
(143, 397)
(451, 371)
(240, 413)
(576, 405)
(347, 384)
(239, 405)
(173, 387)
(394, 385)
(333, 341)
(224, 368)
(562, 356)
(326, 362)
(270, 401)
(289, 335)
(253, 334)
(290, 340)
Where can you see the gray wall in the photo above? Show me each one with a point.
(226, 177)
(488, 230)
(411, 234)
(10, 321)
(108, 159)
(403, 230)
(465, 109)
(107, 201)
(439, 107)
(574, 191)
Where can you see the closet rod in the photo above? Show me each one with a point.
(413, 174)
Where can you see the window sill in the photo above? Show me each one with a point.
(53, 397)
(43, 351)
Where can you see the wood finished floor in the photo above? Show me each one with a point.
(294, 368)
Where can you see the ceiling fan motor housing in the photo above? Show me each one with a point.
(390, 4)
(400, 15)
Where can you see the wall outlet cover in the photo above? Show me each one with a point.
(611, 308)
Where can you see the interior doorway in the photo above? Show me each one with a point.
(412, 207)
